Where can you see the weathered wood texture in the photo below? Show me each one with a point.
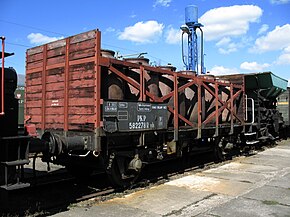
(47, 70)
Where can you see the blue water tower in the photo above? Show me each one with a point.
(191, 15)
(191, 25)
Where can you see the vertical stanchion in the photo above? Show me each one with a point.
(97, 90)
(199, 112)
(175, 108)
(66, 86)
(43, 82)
(232, 108)
(216, 109)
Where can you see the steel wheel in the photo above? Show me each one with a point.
(119, 172)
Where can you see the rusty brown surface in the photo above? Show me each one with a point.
(71, 78)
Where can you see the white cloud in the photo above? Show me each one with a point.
(223, 41)
(163, 3)
(287, 49)
(277, 39)
(226, 46)
(283, 59)
(143, 32)
(221, 70)
(254, 66)
(110, 29)
(229, 21)
(38, 38)
(232, 47)
(173, 36)
(279, 1)
(263, 29)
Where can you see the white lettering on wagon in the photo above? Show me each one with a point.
(141, 123)
(54, 103)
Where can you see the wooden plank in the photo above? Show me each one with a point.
(56, 44)
(81, 119)
(54, 86)
(82, 75)
(33, 104)
(54, 110)
(34, 89)
(34, 65)
(82, 67)
(81, 61)
(55, 126)
(81, 102)
(81, 84)
(55, 94)
(55, 71)
(34, 50)
(36, 118)
(53, 118)
(82, 127)
(34, 58)
(33, 75)
(58, 65)
(33, 111)
(55, 79)
(82, 54)
(81, 92)
(56, 52)
(34, 81)
(82, 46)
(55, 60)
(31, 71)
(83, 37)
(34, 96)
(82, 110)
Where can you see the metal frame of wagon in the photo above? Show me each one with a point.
(236, 90)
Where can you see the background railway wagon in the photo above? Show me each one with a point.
(283, 105)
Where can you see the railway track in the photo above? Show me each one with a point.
(59, 191)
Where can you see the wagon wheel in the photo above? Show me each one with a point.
(219, 152)
(119, 172)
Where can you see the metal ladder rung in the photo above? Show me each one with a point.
(16, 162)
(250, 134)
(16, 186)
(252, 142)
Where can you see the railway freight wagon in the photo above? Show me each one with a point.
(95, 111)
(284, 109)
(263, 117)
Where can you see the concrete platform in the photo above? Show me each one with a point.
(258, 185)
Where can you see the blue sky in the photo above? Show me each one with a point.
(240, 36)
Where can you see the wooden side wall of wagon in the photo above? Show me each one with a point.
(60, 83)
(68, 80)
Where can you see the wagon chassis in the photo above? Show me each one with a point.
(219, 103)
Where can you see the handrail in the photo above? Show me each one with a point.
(2, 77)
(253, 109)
